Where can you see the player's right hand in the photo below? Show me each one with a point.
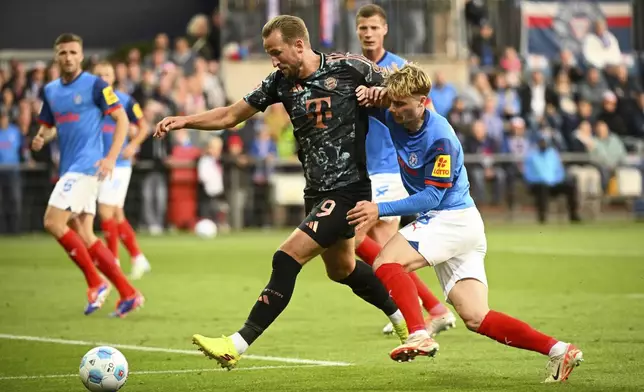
(169, 124)
(37, 143)
(369, 96)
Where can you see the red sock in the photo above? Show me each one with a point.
(129, 238)
(368, 250)
(432, 304)
(107, 265)
(111, 233)
(508, 330)
(78, 253)
(403, 291)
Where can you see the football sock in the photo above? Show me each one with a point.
(397, 317)
(128, 237)
(402, 290)
(368, 250)
(433, 306)
(512, 332)
(111, 234)
(274, 298)
(105, 262)
(76, 250)
(364, 283)
(240, 344)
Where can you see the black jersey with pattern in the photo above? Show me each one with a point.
(329, 125)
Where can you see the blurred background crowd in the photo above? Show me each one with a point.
(535, 122)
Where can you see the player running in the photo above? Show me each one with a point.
(112, 193)
(382, 165)
(318, 92)
(449, 235)
(72, 109)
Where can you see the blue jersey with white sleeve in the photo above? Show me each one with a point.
(134, 114)
(76, 109)
(379, 147)
(431, 164)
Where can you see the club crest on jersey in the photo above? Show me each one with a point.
(413, 159)
(78, 99)
(330, 83)
(442, 167)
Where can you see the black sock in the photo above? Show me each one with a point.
(366, 285)
(274, 298)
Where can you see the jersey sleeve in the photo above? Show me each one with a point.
(46, 117)
(379, 114)
(265, 94)
(367, 72)
(441, 158)
(105, 97)
(133, 111)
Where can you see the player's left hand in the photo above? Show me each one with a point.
(369, 96)
(105, 167)
(364, 214)
(129, 151)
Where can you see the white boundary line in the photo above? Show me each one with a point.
(167, 350)
(180, 371)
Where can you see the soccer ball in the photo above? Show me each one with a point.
(206, 228)
(103, 369)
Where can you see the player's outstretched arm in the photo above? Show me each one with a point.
(372, 97)
(212, 120)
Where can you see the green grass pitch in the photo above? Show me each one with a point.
(583, 284)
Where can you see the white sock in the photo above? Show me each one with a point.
(239, 342)
(397, 317)
(420, 332)
(558, 349)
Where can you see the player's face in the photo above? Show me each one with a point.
(408, 110)
(286, 57)
(69, 57)
(106, 73)
(371, 32)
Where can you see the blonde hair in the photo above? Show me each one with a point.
(194, 22)
(291, 27)
(407, 81)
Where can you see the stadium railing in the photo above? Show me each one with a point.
(286, 189)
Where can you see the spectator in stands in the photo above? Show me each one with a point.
(461, 118)
(214, 36)
(609, 115)
(592, 89)
(477, 91)
(198, 30)
(550, 128)
(507, 98)
(478, 142)
(36, 81)
(11, 142)
(637, 119)
(511, 63)
(566, 94)
(601, 48)
(517, 145)
(183, 56)
(534, 97)
(493, 122)
(442, 94)
(263, 152)
(627, 90)
(608, 153)
(484, 47)
(545, 175)
(53, 72)
(9, 104)
(213, 203)
(212, 84)
(586, 175)
(161, 52)
(567, 63)
(145, 90)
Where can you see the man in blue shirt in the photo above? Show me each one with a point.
(10, 176)
(449, 235)
(546, 176)
(386, 184)
(72, 110)
(112, 193)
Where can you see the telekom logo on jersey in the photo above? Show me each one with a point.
(69, 117)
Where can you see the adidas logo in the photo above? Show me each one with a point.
(313, 226)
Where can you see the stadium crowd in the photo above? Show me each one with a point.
(588, 104)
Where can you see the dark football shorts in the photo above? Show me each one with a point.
(326, 220)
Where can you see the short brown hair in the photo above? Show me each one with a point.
(66, 38)
(369, 10)
(291, 27)
(408, 81)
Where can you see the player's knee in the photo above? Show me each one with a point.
(105, 212)
(119, 214)
(472, 318)
(54, 225)
(339, 272)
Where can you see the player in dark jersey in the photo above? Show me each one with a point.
(318, 92)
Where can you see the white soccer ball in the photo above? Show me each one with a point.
(206, 228)
(103, 369)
